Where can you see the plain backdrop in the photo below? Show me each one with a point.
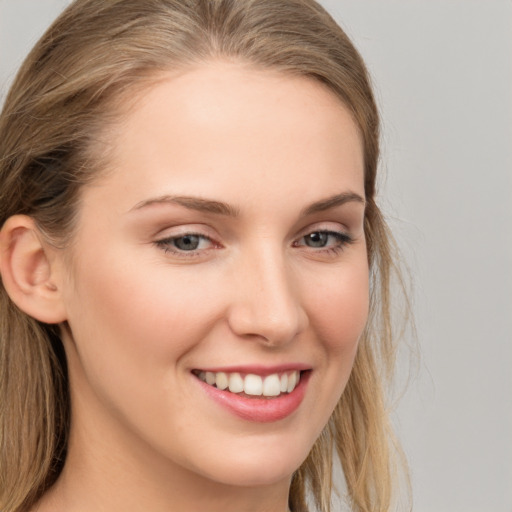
(443, 76)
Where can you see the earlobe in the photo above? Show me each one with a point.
(28, 270)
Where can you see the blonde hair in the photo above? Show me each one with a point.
(71, 85)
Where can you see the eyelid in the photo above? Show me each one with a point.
(165, 242)
(327, 227)
(342, 236)
(172, 230)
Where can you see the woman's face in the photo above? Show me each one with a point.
(224, 246)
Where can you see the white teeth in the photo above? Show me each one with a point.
(221, 380)
(254, 385)
(272, 385)
(293, 377)
(284, 383)
(236, 383)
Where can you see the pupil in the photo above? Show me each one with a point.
(317, 239)
(187, 242)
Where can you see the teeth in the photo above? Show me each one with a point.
(284, 383)
(236, 383)
(221, 380)
(292, 381)
(254, 385)
(272, 385)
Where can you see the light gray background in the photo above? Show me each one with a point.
(443, 75)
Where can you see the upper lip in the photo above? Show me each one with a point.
(262, 370)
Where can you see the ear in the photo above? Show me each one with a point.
(30, 271)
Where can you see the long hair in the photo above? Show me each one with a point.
(71, 86)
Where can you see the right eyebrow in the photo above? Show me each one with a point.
(192, 203)
(332, 202)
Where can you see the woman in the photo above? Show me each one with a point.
(195, 300)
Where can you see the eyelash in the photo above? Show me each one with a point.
(342, 241)
(166, 244)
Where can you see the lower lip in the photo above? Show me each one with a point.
(261, 410)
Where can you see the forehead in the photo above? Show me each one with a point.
(223, 122)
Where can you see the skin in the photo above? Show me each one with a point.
(142, 315)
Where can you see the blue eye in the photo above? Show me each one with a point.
(317, 239)
(330, 240)
(187, 243)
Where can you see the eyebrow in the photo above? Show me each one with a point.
(192, 203)
(332, 202)
(220, 208)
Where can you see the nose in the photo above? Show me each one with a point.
(266, 301)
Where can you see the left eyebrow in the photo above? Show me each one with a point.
(332, 202)
(192, 203)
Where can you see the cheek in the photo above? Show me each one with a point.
(132, 319)
(340, 310)
(129, 330)
(338, 315)
(124, 303)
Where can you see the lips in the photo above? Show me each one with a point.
(253, 394)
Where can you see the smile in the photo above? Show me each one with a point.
(256, 394)
(252, 385)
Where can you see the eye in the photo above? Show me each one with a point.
(317, 239)
(325, 239)
(186, 243)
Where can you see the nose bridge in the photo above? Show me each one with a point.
(267, 303)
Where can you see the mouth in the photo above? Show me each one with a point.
(251, 385)
(256, 393)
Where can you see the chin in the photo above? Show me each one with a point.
(257, 467)
(255, 476)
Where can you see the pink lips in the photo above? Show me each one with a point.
(260, 409)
